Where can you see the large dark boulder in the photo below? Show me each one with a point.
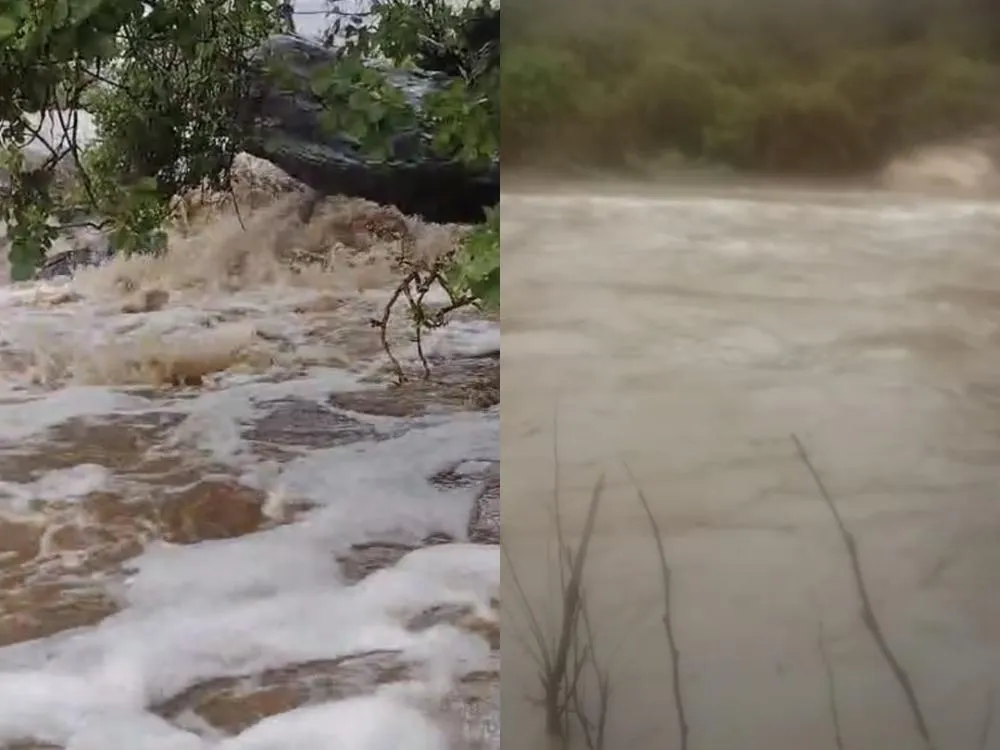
(285, 128)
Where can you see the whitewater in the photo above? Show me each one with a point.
(220, 525)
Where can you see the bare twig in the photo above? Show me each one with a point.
(71, 127)
(668, 622)
(572, 603)
(418, 315)
(594, 730)
(236, 203)
(987, 728)
(382, 324)
(565, 661)
(557, 494)
(99, 77)
(868, 617)
(831, 688)
(540, 651)
(584, 654)
(414, 287)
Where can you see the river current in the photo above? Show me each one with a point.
(221, 526)
(806, 386)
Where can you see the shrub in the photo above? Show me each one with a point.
(540, 92)
(820, 88)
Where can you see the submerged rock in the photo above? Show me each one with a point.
(87, 248)
(284, 118)
(233, 704)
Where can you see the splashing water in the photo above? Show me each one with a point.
(218, 528)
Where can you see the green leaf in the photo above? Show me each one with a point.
(8, 26)
(329, 122)
(98, 46)
(25, 255)
(82, 10)
(60, 12)
(377, 112)
(487, 290)
(358, 100)
(319, 84)
(182, 64)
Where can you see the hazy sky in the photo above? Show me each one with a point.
(310, 23)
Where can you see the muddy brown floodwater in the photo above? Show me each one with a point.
(222, 527)
(690, 335)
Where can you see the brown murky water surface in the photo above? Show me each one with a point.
(220, 526)
(689, 335)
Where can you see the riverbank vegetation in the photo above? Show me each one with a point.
(167, 84)
(819, 87)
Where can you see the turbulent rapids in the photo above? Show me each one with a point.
(220, 527)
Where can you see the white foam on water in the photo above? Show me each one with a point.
(229, 607)
(363, 487)
(238, 606)
(185, 627)
(31, 416)
(368, 723)
(215, 419)
(251, 332)
(226, 296)
(61, 485)
(467, 338)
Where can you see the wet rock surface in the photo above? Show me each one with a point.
(460, 616)
(474, 707)
(484, 520)
(230, 705)
(286, 130)
(211, 510)
(40, 610)
(59, 570)
(458, 384)
(88, 249)
(120, 444)
(466, 473)
(291, 426)
(364, 559)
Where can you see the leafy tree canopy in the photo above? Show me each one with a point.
(166, 81)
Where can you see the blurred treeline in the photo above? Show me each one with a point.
(785, 86)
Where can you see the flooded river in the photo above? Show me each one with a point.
(220, 527)
(806, 386)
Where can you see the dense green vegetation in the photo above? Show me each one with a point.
(166, 83)
(815, 87)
